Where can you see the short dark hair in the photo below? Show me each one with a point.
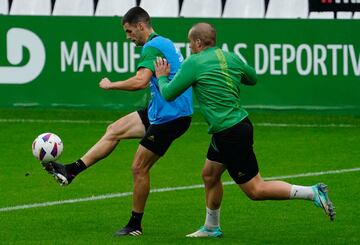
(136, 15)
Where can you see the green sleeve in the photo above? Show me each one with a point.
(183, 79)
(148, 57)
(249, 77)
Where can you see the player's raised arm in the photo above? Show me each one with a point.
(139, 81)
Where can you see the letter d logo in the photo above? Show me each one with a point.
(17, 39)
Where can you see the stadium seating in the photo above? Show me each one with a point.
(201, 8)
(114, 7)
(277, 9)
(4, 7)
(169, 8)
(356, 15)
(244, 9)
(31, 7)
(344, 15)
(74, 7)
(321, 15)
(287, 9)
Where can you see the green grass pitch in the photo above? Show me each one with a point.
(286, 143)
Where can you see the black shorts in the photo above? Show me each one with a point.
(158, 137)
(234, 148)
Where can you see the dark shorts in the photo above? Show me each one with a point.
(158, 137)
(233, 147)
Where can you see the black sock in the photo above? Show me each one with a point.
(135, 220)
(76, 167)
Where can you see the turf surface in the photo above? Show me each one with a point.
(286, 143)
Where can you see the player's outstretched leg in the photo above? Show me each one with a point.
(127, 127)
(206, 232)
(322, 200)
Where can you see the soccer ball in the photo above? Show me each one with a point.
(47, 147)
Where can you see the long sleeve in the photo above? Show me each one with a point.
(250, 77)
(183, 79)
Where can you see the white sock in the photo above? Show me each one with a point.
(301, 192)
(212, 218)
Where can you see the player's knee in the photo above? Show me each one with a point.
(137, 171)
(110, 129)
(208, 178)
(113, 132)
(254, 194)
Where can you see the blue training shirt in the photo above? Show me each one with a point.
(159, 110)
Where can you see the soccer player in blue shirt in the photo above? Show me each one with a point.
(157, 126)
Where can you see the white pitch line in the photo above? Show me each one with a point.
(298, 125)
(28, 120)
(266, 124)
(167, 189)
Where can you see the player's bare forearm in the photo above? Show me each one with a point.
(139, 81)
(130, 84)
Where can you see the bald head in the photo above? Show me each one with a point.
(205, 33)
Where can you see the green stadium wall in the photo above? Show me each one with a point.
(59, 61)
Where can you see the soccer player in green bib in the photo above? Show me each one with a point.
(215, 77)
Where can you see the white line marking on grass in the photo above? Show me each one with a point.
(297, 125)
(167, 189)
(299, 107)
(28, 120)
(266, 124)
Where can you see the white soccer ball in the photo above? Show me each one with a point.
(47, 147)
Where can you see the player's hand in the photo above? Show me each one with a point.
(105, 83)
(162, 68)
